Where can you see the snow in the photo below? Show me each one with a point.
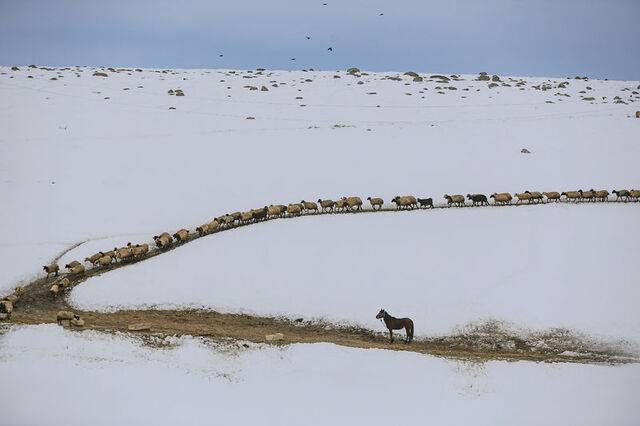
(79, 374)
(533, 266)
(75, 166)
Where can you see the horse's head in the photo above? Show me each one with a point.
(381, 314)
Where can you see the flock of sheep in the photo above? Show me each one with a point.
(345, 204)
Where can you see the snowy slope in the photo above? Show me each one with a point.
(535, 266)
(77, 166)
(80, 374)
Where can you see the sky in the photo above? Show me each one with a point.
(560, 38)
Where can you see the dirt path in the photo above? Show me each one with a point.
(37, 306)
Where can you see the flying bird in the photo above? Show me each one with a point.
(381, 14)
(220, 56)
(330, 49)
(308, 38)
(293, 59)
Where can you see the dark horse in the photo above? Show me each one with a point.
(394, 323)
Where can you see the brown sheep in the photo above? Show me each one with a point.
(294, 210)
(227, 220)
(6, 307)
(587, 195)
(123, 253)
(523, 196)
(326, 205)
(54, 290)
(246, 217)
(63, 282)
(634, 195)
(93, 258)
(552, 196)
(104, 261)
(72, 264)
(259, 214)
(163, 240)
(51, 269)
(181, 236)
(77, 270)
(621, 194)
(64, 316)
(405, 202)
(376, 202)
(353, 203)
(111, 253)
(276, 211)
(13, 298)
(535, 196)
(340, 205)
(237, 216)
(203, 229)
(571, 195)
(19, 291)
(602, 195)
(214, 226)
(456, 200)
(309, 206)
(140, 250)
(501, 198)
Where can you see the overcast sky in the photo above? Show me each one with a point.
(597, 38)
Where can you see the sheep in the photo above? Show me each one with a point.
(93, 258)
(64, 316)
(54, 290)
(535, 196)
(587, 195)
(454, 199)
(51, 269)
(214, 226)
(276, 211)
(340, 205)
(294, 210)
(163, 240)
(523, 196)
(237, 216)
(104, 261)
(203, 229)
(501, 198)
(634, 195)
(478, 199)
(571, 195)
(63, 283)
(6, 307)
(77, 321)
(552, 196)
(77, 270)
(326, 205)
(309, 206)
(376, 203)
(72, 264)
(181, 236)
(246, 217)
(425, 202)
(13, 298)
(353, 203)
(123, 253)
(259, 214)
(110, 253)
(19, 291)
(621, 194)
(405, 202)
(140, 250)
(227, 220)
(602, 195)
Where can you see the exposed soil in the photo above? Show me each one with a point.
(490, 342)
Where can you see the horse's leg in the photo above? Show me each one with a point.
(391, 335)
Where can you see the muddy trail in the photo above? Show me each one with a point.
(488, 342)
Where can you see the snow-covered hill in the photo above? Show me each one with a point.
(86, 157)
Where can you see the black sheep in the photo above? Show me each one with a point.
(478, 199)
(425, 202)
